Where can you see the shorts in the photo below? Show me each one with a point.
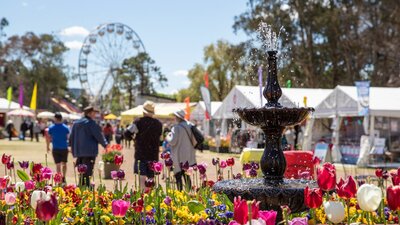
(60, 155)
(144, 168)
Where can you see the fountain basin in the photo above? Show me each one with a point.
(271, 194)
(273, 117)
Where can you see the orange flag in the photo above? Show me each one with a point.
(187, 109)
(206, 79)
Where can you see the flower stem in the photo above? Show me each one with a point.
(348, 212)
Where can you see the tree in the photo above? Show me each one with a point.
(31, 58)
(333, 42)
(138, 75)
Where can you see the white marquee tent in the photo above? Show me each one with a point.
(198, 112)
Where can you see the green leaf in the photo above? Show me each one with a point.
(23, 175)
(195, 206)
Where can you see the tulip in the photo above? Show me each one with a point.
(58, 177)
(149, 183)
(369, 197)
(45, 173)
(10, 198)
(120, 174)
(393, 197)
(3, 182)
(5, 159)
(119, 208)
(240, 210)
(312, 197)
(223, 164)
(24, 164)
(114, 175)
(10, 165)
(82, 168)
(168, 162)
(334, 210)
(299, 221)
(165, 155)
(101, 165)
(118, 159)
(326, 177)
(47, 208)
(255, 208)
(167, 200)
(215, 161)
(36, 196)
(29, 185)
(157, 167)
(268, 216)
(230, 162)
(20, 186)
(184, 166)
(396, 177)
(348, 189)
(36, 168)
(379, 173)
(202, 169)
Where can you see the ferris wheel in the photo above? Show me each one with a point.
(103, 53)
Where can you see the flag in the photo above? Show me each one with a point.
(187, 109)
(205, 94)
(34, 97)
(21, 95)
(288, 83)
(260, 79)
(9, 96)
(206, 79)
(363, 97)
(305, 101)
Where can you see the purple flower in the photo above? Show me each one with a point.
(185, 166)
(120, 174)
(24, 164)
(168, 162)
(253, 172)
(247, 166)
(167, 201)
(82, 168)
(215, 161)
(114, 175)
(201, 168)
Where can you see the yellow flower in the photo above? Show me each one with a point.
(148, 208)
(105, 218)
(121, 222)
(82, 220)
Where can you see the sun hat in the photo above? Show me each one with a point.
(180, 114)
(90, 108)
(148, 107)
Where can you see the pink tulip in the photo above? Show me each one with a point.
(119, 208)
(45, 173)
(10, 198)
(58, 177)
(114, 175)
(157, 167)
(29, 185)
(240, 210)
(47, 209)
(268, 216)
(3, 182)
(223, 164)
(299, 221)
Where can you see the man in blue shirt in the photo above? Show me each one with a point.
(58, 135)
(85, 138)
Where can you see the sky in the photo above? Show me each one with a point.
(174, 32)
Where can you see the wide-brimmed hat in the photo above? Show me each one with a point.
(180, 114)
(148, 107)
(90, 108)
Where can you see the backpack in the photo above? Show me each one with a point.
(198, 136)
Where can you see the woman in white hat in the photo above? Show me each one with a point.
(183, 152)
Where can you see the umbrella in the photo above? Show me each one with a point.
(45, 115)
(21, 112)
(74, 116)
(110, 117)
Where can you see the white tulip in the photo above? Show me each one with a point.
(101, 165)
(36, 196)
(369, 197)
(20, 186)
(256, 222)
(334, 210)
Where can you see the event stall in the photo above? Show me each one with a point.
(5, 107)
(198, 116)
(340, 109)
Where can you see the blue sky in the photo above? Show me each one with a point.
(174, 32)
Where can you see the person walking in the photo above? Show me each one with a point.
(23, 129)
(36, 130)
(86, 135)
(10, 129)
(108, 132)
(183, 152)
(119, 134)
(57, 134)
(30, 128)
(147, 131)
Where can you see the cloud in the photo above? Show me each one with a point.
(24, 4)
(74, 31)
(180, 73)
(73, 44)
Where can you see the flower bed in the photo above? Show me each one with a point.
(35, 195)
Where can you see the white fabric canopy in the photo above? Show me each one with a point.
(13, 105)
(45, 115)
(249, 96)
(384, 101)
(198, 112)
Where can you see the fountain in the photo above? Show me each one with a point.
(273, 191)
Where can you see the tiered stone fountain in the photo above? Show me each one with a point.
(273, 191)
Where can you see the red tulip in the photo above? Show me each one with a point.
(119, 208)
(36, 168)
(58, 177)
(240, 210)
(5, 159)
(10, 165)
(165, 155)
(47, 210)
(312, 197)
(230, 162)
(45, 173)
(396, 177)
(82, 168)
(326, 177)
(393, 197)
(255, 207)
(118, 159)
(149, 183)
(379, 173)
(3, 182)
(348, 189)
